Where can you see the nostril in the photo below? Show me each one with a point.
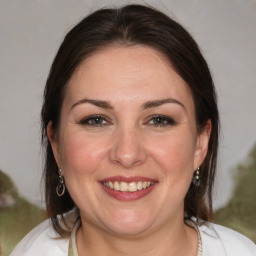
(127, 148)
(128, 160)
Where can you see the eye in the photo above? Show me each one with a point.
(161, 120)
(96, 120)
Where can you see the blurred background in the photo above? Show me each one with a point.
(30, 34)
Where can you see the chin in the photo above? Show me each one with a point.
(128, 223)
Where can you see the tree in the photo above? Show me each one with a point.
(239, 214)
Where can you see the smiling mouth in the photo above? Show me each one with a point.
(128, 186)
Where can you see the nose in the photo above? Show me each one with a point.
(128, 149)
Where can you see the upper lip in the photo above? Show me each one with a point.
(128, 179)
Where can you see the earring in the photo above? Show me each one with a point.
(60, 189)
(196, 178)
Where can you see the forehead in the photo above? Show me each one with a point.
(134, 72)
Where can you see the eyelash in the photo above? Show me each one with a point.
(90, 121)
(162, 120)
(158, 121)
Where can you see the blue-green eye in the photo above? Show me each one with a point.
(161, 120)
(95, 120)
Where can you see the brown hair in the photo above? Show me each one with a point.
(131, 25)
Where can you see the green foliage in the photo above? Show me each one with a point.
(6, 184)
(16, 220)
(239, 214)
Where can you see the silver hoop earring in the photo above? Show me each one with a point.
(61, 188)
(196, 178)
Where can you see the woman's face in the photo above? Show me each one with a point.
(128, 143)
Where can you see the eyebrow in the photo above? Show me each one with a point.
(98, 103)
(157, 103)
(146, 105)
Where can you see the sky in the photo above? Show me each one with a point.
(31, 32)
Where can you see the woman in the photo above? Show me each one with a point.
(130, 125)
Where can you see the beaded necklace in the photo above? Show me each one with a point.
(73, 249)
(192, 224)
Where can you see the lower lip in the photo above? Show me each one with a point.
(127, 196)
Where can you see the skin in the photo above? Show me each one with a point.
(127, 140)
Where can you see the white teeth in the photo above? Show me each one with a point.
(132, 187)
(139, 185)
(111, 185)
(116, 186)
(124, 186)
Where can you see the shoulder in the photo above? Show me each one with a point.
(43, 240)
(218, 240)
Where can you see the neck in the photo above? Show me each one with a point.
(174, 238)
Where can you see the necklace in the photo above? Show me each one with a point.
(73, 248)
(192, 224)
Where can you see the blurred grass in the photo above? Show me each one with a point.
(240, 212)
(16, 220)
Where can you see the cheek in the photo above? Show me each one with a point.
(81, 154)
(82, 157)
(175, 153)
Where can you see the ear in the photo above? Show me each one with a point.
(54, 144)
(202, 144)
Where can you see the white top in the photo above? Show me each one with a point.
(216, 241)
